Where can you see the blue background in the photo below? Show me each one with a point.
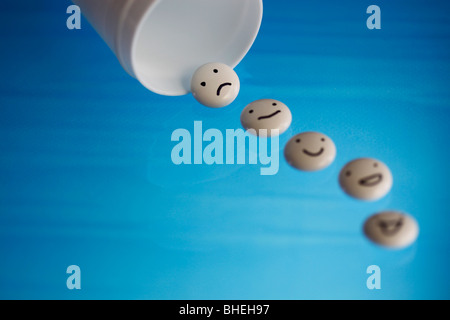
(86, 176)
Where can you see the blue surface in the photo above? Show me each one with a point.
(86, 176)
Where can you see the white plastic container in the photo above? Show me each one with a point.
(162, 42)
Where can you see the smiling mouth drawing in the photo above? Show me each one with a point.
(391, 227)
(311, 154)
(270, 115)
(371, 180)
(223, 85)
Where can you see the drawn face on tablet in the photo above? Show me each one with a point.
(391, 229)
(310, 151)
(215, 85)
(366, 179)
(267, 117)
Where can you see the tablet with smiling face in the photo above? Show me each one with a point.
(310, 151)
(366, 179)
(392, 229)
(267, 117)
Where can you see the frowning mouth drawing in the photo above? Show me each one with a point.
(223, 85)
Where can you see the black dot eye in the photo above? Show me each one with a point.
(297, 140)
(323, 139)
(203, 84)
(215, 70)
(250, 111)
(348, 173)
(274, 104)
(375, 164)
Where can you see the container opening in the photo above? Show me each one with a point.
(178, 36)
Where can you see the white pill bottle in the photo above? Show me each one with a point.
(162, 42)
